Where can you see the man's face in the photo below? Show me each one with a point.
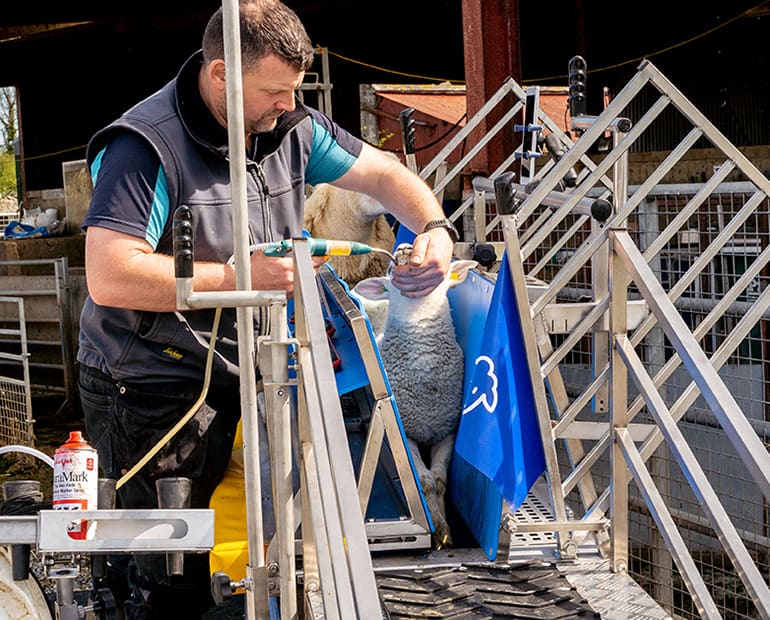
(268, 92)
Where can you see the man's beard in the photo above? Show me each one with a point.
(264, 124)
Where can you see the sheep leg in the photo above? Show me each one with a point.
(435, 501)
(440, 458)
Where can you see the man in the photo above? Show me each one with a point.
(141, 362)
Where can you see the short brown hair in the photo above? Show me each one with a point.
(267, 26)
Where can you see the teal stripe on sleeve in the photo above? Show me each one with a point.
(328, 160)
(96, 165)
(159, 210)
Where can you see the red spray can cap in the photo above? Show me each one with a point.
(75, 441)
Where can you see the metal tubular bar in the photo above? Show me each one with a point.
(705, 257)
(358, 558)
(616, 286)
(508, 85)
(276, 392)
(697, 118)
(588, 138)
(596, 175)
(370, 456)
(720, 357)
(317, 554)
(256, 597)
(707, 497)
(746, 443)
(321, 500)
(513, 253)
(687, 211)
(674, 541)
(623, 208)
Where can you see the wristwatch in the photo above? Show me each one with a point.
(445, 223)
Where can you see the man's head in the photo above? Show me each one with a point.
(275, 53)
(267, 27)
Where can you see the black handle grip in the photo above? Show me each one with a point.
(183, 242)
(407, 130)
(577, 70)
(504, 193)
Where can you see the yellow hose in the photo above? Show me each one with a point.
(175, 429)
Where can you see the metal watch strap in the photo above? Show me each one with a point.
(446, 224)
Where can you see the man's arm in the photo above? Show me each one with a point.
(124, 272)
(412, 202)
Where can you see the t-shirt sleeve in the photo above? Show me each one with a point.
(334, 150)
(130, 194)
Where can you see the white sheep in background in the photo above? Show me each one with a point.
(334, 213)
(424, 365)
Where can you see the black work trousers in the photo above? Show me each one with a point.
(123, 421)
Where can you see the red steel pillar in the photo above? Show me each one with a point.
(492, 54)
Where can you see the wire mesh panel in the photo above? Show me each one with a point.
(15, 414)
(15, 393)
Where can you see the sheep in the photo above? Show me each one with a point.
(334, 213)
(424, 365)
(376, 310)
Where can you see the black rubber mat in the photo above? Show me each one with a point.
(474, 592)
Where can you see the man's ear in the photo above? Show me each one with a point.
(216, 72)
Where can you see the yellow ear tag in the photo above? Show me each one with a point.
(454, 276)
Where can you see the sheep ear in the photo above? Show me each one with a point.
(459, 269)
(373, 288)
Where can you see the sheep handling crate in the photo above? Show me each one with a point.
(523, 573)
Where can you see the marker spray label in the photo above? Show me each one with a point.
(76, 481)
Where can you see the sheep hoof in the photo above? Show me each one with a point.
(442, 538)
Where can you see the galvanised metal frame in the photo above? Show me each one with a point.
(610, 249)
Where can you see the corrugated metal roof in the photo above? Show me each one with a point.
(446, 102)
(448, 107)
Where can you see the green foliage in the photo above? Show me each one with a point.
(7, 174)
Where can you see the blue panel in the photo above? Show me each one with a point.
(387, 500)
(476, 497)
(498, 437)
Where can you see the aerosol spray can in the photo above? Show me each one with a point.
(76, 480)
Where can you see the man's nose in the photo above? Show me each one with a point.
(287, 103)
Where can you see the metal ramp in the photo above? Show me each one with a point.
(597, 451)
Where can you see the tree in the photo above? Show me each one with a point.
(8, 122)
(8, 134)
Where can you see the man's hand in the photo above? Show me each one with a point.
(269, 273)
(427, 266)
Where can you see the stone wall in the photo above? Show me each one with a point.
(696, 165)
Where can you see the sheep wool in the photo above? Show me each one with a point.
(334, 213)
(422, 359)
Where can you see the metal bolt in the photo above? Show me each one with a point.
(272, 568)
(312, 586)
